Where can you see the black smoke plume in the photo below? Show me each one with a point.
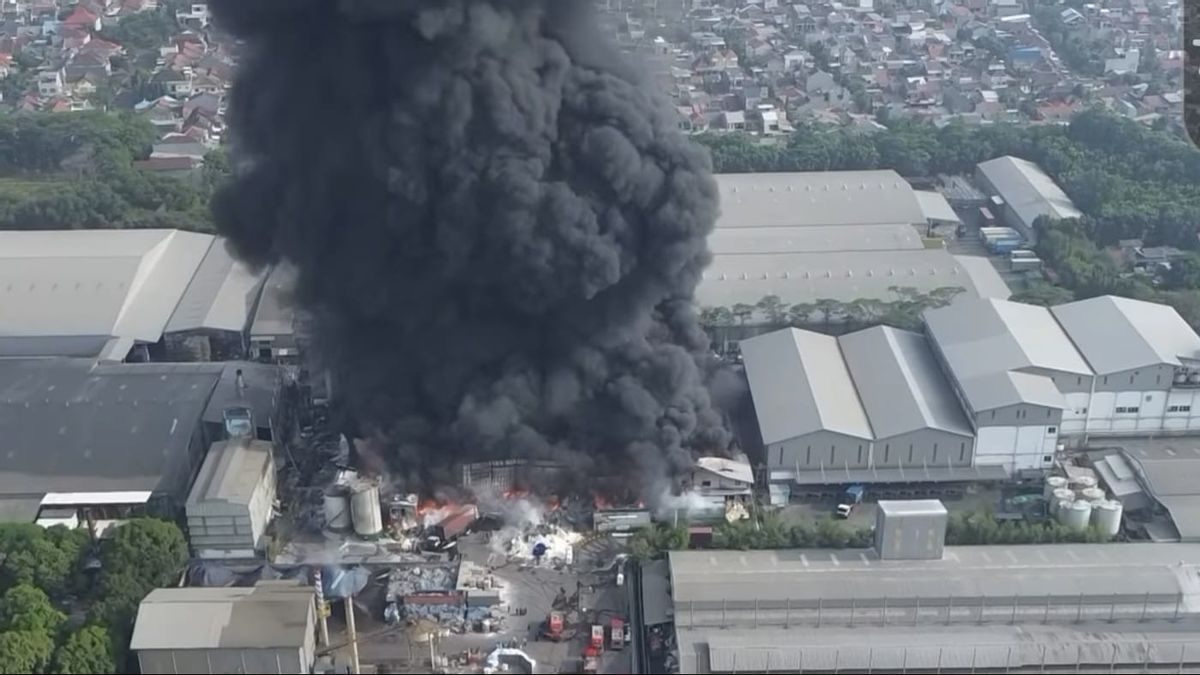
(496, 224)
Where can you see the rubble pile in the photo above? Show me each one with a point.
(543, 544)
(413, 579)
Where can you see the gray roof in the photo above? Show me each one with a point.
(72, 426)
(900, 384)
(260, 394)
(921, 473)
(800, 384)
(656, 592)
(272, 614)
(1027, 189)
(231, 472)
(814, 239)
(69, 293)
(936, 208)
(990, 648)
(837, 577)
(275, 315)
(845, 275)
(1116, 334)
(816, 198)
(221, 295)
(988, 343)
(1169, 468)
(987, 281)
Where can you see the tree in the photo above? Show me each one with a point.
(26, 608)
(87, 650)
(774, 309)
(743, 312)
(152, 551)
(47, 559)
(1044, 294)
(1185, 273)
(800, 314)
(25, 651)
(827, 308)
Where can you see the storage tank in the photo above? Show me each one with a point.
(365, 509)
(1092, 494)
(1060, 495)
(337, 509)
(1059, 507)
(1083, 482)
(1053, 483)
(1106, 516)
(1078, 517)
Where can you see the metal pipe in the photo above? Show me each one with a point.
(354, 665)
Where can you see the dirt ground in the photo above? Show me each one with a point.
(976, 498)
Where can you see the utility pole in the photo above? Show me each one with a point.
(354, 665)
(322, 608)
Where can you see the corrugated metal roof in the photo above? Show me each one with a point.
(816, 198)
(985, 341)
(844, 276)
(1027, 189)
(987, 281)
(800, 384)
(902, 474)
(275, 315)
(1169, 469)
(656, 593)
(220, 296)
(814, 239)
(231, 471)
(1116, 334)
(935, 207)
(278, 614)
(900, 384)
(19, 509)
(71, 426)
(93, 284)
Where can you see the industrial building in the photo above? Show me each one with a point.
(119, 295)
(992, 389)
(270, 628)
(842, 236)
(232, 499)
(105, 441)
(1043, 608)
(869, 406)
(1023, 193)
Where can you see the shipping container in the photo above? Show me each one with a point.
(616, 639)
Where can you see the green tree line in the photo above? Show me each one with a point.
(46, 575)
(824, 313)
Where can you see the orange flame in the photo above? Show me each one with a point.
(601, 501)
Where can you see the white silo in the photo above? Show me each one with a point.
(1060, 495)
(1106, 516)
(365, 509)
(1053, 483)
(1059, 508)
(1079, 516)
(1092, 494)
(337, 508)
(1079, 483)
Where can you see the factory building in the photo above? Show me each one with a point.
(1018, 376)
(1023, 193)
(100, 442)
(870, 406)
(117, 295)
(232, 500)
(1030, 608)
(845, 236)
(1146, 361)
(270, 628)
(993, 388)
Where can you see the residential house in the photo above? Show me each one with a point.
(174, 83)
(184, 168)
(51, 82)
(83, 18)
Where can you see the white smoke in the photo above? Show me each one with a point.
(669, 504)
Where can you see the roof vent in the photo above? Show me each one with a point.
(849, 273)
(771, 188)
(787, 275)
(744, 277)
(723, 276)
(828, 274)
(791, 188)
(870, 273)
(912, 271)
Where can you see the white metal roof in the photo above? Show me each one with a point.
(988, 342)
(936, 208)
(814, 239)
(1116, 334)
(231, 472)
(987, 281)
(1027, 189)
(900, 384)
(83, 292)
(276, 614)
(800, 384)
(727, 468)
(816, 198)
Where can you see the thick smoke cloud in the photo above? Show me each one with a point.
(496, 225)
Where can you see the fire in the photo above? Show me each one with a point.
(552, 503)
(516, 493)
(429, 505)
(601, 501)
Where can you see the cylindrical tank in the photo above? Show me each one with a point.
(1092, 494)
(1062, 495)
(1106, 516)
(337, 509)
(1058, 507)
(1078, 516)
(1053, 483)
(1083, 483)
(365, 509)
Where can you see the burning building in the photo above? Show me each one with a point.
(495, 225)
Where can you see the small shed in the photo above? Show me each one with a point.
(913, 529)
(231, 502)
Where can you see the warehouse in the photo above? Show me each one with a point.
(118, 294)
(1167, 469)
(1018, 375)
(270, 628)
(1026, 191)
(867, 406)
(1061, 607)
(106, 441)
(805, 199)
(1144, 355)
